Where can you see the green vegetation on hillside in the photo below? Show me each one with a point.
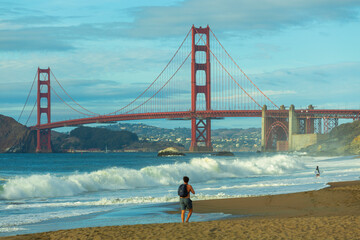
(235, 139)
(101, 138)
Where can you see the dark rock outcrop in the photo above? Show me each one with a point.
(170, 151)
(15, 137)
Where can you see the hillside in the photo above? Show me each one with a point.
(143, 130)
(15, 137)
(235, 139)
(342, 140)
(102, 138)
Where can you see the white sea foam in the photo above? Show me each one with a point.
(260, 185)
(14, 220)
(10, 229)
(117, 178)
(121, 201)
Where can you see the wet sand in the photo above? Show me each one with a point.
(330, 213)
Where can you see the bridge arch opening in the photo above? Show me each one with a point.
(277, 137)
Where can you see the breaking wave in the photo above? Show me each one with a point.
(117, 178)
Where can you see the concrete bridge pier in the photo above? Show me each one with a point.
(309, 126)
(293, 126)
(302, 130)
(263, 128)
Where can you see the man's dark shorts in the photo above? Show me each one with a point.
(185, 203)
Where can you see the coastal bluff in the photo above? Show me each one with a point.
(342, 140)
(15, 137)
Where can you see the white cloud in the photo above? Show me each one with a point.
(43, 31)
(321, 85)
(243, 15)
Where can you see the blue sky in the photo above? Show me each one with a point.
(298, 52)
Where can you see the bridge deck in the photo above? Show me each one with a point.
(302, 113)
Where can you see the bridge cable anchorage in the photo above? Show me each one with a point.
(228, 72)
(93, 114)
(242, 70)
(32, 85)
(68, 104)
(155, 78)
(163, 85)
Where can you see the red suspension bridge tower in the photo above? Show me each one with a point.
(200, 127)
(43, 107)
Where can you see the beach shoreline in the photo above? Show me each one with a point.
(329, 213)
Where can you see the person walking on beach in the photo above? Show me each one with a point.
(317, 171)
(185, 201)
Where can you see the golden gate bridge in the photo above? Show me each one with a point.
(200, 82)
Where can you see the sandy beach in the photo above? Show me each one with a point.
(330, 213)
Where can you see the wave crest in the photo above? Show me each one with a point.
(117, 178)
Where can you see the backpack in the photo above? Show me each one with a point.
(182, 191)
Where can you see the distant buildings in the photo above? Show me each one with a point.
(222, 139)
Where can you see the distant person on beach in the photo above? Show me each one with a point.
(185, 201)
(317, 171)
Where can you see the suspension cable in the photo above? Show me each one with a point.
(155, 78)
(69, 105)
(227, 71)
(32, 85)
(72, 98)
(242, 70)
(163, 85)
(31, 111)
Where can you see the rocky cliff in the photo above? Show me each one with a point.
(342, 140)
(15, 137)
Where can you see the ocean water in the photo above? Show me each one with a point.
(48, 192)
